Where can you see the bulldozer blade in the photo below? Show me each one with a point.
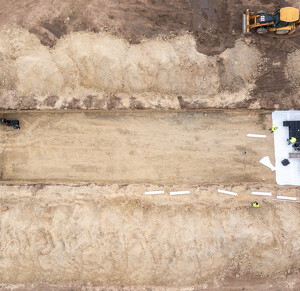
(245, 24)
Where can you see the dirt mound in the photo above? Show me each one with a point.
(85, 64)
(130, 19)
(113, 235)
(215, 25)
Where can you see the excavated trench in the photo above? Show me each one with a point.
(136, 147)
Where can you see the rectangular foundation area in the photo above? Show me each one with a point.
(136, 147)
(288, 125)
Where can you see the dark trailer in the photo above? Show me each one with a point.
(13, 123)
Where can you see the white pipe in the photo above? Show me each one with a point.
(180, 193)
(154, 192)
(227, 192)
(286, 197)
(256, 135)
(262, 193)
(287, 201)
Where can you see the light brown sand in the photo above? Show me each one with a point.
(115, 235)
(138, 147)
(88, 64)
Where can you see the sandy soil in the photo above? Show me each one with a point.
(215, 26)
(115, 235)
(291, 282)
(145, 147)
(98, 65)
(146, 54)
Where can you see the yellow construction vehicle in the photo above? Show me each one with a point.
(283, 21)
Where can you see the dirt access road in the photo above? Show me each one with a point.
(138, 147)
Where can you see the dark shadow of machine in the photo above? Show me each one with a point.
(13, 123)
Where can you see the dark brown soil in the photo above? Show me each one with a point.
(131, 19)
(273, 88)
(216, 24)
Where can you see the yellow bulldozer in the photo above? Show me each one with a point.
(283, 21)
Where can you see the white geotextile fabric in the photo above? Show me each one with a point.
(266, 162)
(285, 175)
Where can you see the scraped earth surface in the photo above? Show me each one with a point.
(111, 72)
(145, 147)
(113, 235)
(146, 54)
(143, 60)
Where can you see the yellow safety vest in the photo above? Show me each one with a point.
(255, 205)
(274, 128)
(293, 139)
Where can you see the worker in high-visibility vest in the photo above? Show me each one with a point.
(273, 129)
(292, 140)
(255, 204)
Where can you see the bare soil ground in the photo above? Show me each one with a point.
(146, 54)
(232, 284)
(113, 235)
(215, 25)
(131, 19)
(84, 70)
(221, 21)
(144, 147)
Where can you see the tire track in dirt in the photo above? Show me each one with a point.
(216, 26)
(277, 87)
(113, 235)
(138, 147)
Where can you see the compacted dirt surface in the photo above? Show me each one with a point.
(100, 80)
(145, 147)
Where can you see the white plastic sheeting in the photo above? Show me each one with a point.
(285, 175)
(266, 162)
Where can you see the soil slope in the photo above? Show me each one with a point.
(215, 26)
(100, 65)
(113, 235)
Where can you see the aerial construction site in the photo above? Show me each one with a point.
(149, 145)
